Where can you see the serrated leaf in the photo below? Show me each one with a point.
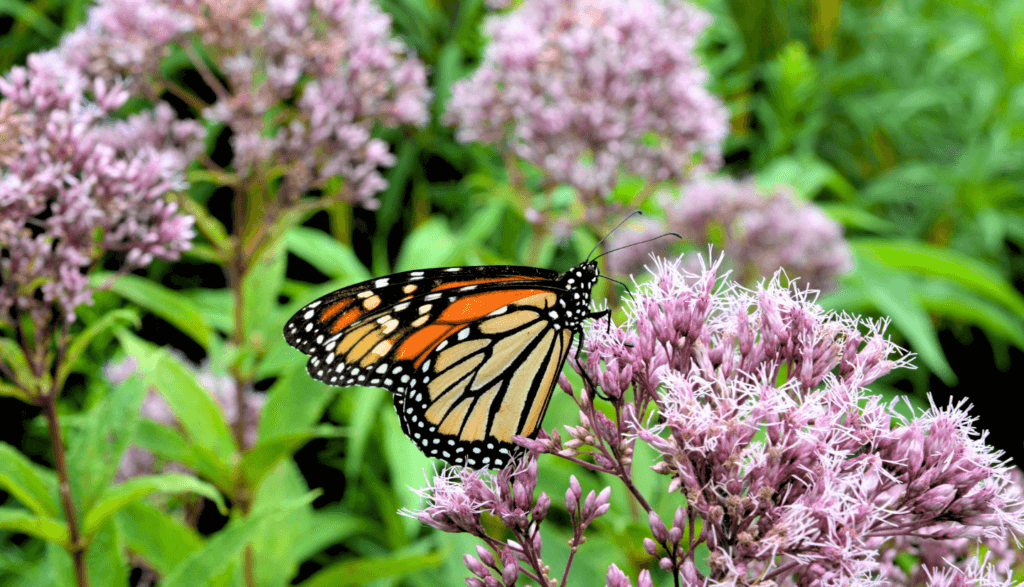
(32, 485)
(275, 560)
(166, 303)
(120, 496)
(23, 522)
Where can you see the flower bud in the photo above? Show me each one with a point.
(651, 547)
(540, 510)
(475, 566)
(511, 573)
(658, 528)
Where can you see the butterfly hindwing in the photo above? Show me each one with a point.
(489, 382)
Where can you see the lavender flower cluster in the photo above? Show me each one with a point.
(760, 232)
(333, 59)
(76, 183)
(784, 466)
(585, 89)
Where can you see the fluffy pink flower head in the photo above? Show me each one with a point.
(304, 81)
(760, 232)
(81, 184)
(765, 426)
(586, 89)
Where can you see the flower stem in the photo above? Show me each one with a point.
(76, 548)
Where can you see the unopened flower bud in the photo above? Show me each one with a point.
(658, 528)
(485, 555)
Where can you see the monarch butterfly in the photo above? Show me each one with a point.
(471, 354)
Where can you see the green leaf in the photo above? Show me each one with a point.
(82, 340)
(95, 453)
(14, 391)
(327, 527)
(207, 224)
(32, 485)
(160, 539)
(365, 570)
(26, 13)
(166, 303)
(276, 563)
(897, 297)
(266, 454)
(222, 551)
(361, 425)
(106, 559)
(295, 402)
(12, 355)
(21, 521)
(118, 497)
(260, 289)
(201, 417)
(330, 257)
(431, 244)
(916, 257)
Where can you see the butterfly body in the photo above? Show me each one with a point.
(471, 354)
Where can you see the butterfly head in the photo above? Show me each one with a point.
(578, 283)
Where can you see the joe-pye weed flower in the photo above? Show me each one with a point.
(779, 460)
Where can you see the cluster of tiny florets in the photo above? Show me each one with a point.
(77, 184)
(334, 61)
(587, 89)
(760, 232)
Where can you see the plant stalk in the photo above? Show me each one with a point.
(77, 549)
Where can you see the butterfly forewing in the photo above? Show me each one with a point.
(471, 353)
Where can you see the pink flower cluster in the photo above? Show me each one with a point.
(77, 184)
(458, 496)
(785, 468)
(306, 80)
(760, 232)
(586, 89)
(798, 474)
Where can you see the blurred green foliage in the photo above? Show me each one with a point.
(903, 119)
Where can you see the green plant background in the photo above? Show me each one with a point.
(903, 119)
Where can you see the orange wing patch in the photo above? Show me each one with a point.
(475, 307)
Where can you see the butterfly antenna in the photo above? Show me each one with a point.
(620, 283)
(675, 234)
(610, 232)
